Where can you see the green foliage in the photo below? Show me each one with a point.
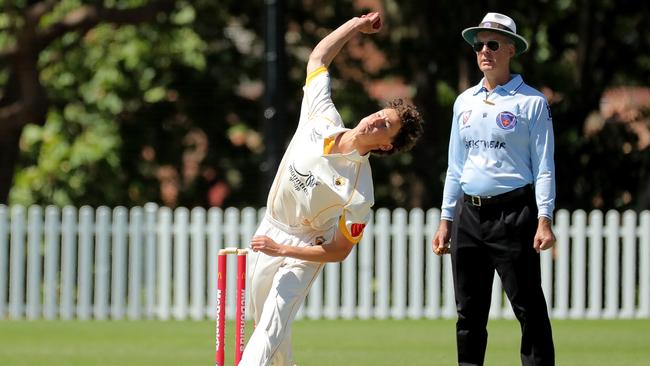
(93, 82)
(73, 153)
(127, 101)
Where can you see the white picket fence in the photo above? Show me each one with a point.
(154, 262)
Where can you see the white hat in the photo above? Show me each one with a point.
(495, 22)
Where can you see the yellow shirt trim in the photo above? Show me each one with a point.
(328, 145)
(315, 73)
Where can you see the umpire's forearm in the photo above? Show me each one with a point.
(331, 45)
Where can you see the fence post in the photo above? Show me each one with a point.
(34, 270)
(150, 262)
(215, 242)
(248, 228)
(382, 266)
(136, 230)
(180, 261)
(102, 264)
(51, 262)
(417, 254)
(118, 263)
(612, 251)
(366, 265)
(628, 232)
(315, 299)
(197, 263)
(349, 289)
(546, 259)
(595, 264)
(332, 289)
(578, 263)
(17, 271)
(398, 259)
(68, 262)
(232, 239)
(433, 267)
(562, 265)
(85, 256)
(164, 266)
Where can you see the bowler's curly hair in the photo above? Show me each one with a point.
(411, 129)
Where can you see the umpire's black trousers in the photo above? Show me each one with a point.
(499, 235)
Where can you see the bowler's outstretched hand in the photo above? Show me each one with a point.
(371, 23)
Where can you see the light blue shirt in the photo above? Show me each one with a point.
(500, 141)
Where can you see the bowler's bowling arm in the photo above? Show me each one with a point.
(331, 45)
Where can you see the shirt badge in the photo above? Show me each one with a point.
(356, 229)
(506, 120)
(464, 117)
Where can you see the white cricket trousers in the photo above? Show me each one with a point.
(278, 287)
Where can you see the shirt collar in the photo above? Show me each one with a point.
(352, 155)
(510, 87)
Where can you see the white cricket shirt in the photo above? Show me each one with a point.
(315, 190)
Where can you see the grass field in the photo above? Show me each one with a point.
(316, 343)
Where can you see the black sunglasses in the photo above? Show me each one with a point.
(492, 45)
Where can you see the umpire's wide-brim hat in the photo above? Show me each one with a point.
(499, 23)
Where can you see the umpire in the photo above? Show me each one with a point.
(500, 195)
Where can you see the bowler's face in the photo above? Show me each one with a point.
(381, 127)
(489, 60)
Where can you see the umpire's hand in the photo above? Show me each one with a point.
(440, 243)
(544, 237)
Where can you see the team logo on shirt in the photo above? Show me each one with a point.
(357, 229)
(464, 118)
(301, 181)
(506, 120)
(338, 181)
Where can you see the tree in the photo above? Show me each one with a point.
(33, 26)
(167, 106)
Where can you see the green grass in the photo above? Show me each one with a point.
(316, 343)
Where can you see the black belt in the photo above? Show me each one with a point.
(500, 198)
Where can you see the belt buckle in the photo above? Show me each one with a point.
(476, 201)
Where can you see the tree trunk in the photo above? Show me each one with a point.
(8, 156)
(24, 101)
